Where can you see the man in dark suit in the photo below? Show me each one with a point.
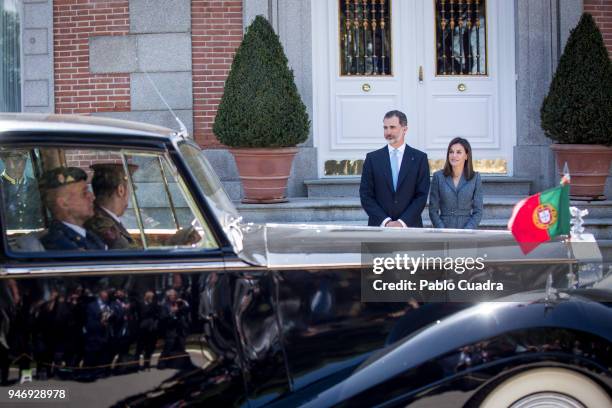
(395, 179)
(66, 194)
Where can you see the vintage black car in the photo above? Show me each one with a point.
(251, 315)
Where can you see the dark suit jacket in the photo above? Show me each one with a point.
(62, 237)
(376, 190)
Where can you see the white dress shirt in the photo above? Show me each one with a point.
(79, 230)
(112, 214)
(400, 156)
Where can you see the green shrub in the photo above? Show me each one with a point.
(261, 106)
(578, 108)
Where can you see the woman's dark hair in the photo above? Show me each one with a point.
(468, 169)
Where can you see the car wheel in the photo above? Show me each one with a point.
(548, 387)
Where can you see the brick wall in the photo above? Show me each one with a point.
(85, 158)
(77, 90)
(216, 28)
(602, 12)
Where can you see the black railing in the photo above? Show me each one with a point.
(461, 37)
(365, 37)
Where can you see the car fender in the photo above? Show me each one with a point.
(480, 322)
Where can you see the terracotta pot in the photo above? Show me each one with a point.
(264, 172)
(588, 166)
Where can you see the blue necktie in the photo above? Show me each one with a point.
(394, 168)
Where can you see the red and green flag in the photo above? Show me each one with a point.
(540, 217)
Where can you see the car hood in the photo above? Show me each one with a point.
(307, 245)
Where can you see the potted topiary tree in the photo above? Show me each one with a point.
(577, 113)
(261, 116)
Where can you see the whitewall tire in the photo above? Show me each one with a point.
(548, 387)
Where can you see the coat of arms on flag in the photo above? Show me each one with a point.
(544, 215)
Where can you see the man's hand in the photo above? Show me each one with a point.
(394, 224)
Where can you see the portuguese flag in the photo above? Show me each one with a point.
(540, 217)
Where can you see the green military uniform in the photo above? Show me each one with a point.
(113, 233)
(106, 180)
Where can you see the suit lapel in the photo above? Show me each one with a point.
(123, 231)
(407, 165)
(100, 212)
(385, 163)
(449, 182)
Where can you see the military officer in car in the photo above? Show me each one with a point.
(111, 189)
(19, 192)
(66, 194)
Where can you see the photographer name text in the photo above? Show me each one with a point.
(437, 285)
(405, 263)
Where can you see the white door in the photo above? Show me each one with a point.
(474, 96)
(353, 89)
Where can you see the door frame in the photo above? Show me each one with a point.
(325, 72)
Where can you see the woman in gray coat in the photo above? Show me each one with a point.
(455, 198)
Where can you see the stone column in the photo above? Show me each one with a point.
(542, 29)
(37, 63)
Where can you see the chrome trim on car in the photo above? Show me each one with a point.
(238, 265)
(111, 269)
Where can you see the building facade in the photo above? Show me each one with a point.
(472, 68)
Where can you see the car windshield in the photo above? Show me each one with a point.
(209, 183)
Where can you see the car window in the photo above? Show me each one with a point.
(164, 203)
(56, 199)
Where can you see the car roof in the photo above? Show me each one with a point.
(51, 123)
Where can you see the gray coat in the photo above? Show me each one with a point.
(451, 207)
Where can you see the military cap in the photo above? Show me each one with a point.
(61, 176)
(12, 153)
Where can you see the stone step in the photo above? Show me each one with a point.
(597, 209)
(349, 186)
